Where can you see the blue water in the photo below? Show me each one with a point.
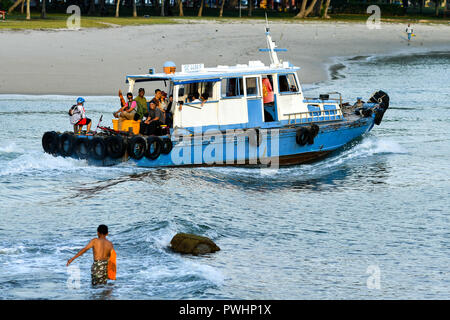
(311, 231)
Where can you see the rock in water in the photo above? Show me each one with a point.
(193, 244)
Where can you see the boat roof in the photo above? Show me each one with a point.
(215, 73)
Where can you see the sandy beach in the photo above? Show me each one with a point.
(95, 61)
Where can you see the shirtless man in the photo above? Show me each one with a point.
(102, 251)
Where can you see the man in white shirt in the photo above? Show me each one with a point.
(409, 31)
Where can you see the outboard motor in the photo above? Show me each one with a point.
(382, 99)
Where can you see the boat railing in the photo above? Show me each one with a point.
(314, 116)
(328, 98)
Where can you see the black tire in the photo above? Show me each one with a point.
(167, 146)
(115, 146)
(154, 146)
(303, 136)
(137, 147)
(313, 132)
(379, 113)
(66, 144)
(367, 112)
(50, 142)
(82, 147)
(98, 148)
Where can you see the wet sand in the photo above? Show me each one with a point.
(95, 61)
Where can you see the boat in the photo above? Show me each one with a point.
(254, 115)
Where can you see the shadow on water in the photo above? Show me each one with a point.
(102, 293)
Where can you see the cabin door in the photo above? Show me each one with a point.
(252, 92)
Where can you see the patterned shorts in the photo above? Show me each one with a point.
(99, 272)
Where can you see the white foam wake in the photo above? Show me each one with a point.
(11, 148)
(35, 162)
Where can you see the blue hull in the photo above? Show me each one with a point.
(277, 146)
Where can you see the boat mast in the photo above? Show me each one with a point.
(271, 47)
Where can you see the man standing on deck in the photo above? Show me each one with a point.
(102, 251)
(141, 105)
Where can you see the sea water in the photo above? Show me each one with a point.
(371, 221)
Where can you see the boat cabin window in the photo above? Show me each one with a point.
(251, 85)
(188, 90)
(232, 87)
(287, 83)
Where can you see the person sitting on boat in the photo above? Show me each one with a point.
(359, 103)
(128, 109)
(158, 97)
(196, 97)
(141, 105)
(78, 116)
(163, 102)
(204, 97)
(151, 125)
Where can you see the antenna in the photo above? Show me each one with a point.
(271, 46)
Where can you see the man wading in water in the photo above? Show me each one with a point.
(102, 251)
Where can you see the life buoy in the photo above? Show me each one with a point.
(154, 145)
(98, 148)
(66, 144)
(50, 141)
(115, 146)
(302, 136)
(82, 147)
(167, 146)
(136, 147)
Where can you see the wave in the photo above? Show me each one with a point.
(13, 250)
(35, 162)
(11, 148)
(358, 149)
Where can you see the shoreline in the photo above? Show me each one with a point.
(94, 62)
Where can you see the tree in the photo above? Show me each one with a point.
(318, 8)
(221, 8)
(180, 5)
(91, 11)
(14, 6)
(301, 14)
(200, 11)
(28, 10)
(310, 8)
(134, 9)
(305, 11)
(325, 11)
(437, 5)
(250, 7)
(117, 8)
(43, 10)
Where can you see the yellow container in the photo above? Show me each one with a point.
(127, 125)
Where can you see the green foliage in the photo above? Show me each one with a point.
(5, 4)
(358, 7)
